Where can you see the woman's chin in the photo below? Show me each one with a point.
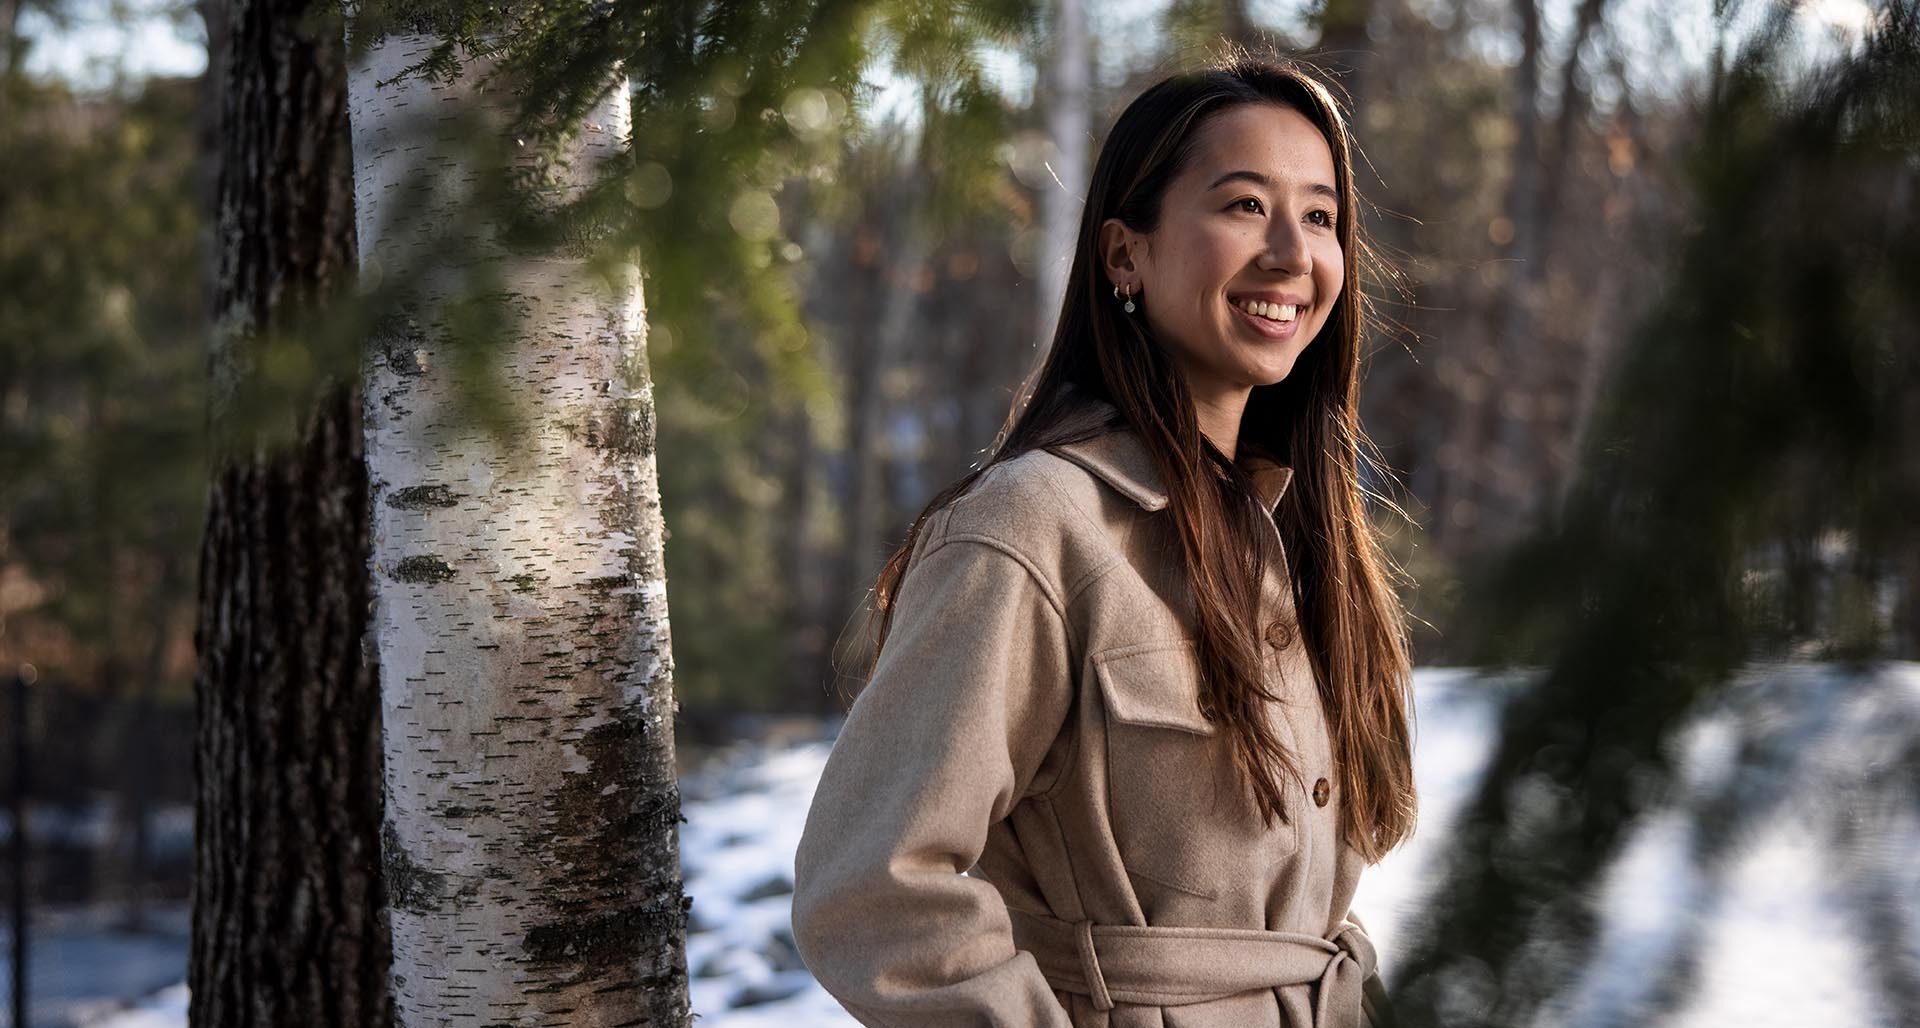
(1268, 372)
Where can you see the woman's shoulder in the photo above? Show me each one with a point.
(1045, 506)
(1020, 499)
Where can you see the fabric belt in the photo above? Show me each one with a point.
(1177, 966)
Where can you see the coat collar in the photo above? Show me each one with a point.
(1120, 458)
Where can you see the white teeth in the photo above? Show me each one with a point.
(1271, 311)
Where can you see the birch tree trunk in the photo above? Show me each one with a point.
(532, 834)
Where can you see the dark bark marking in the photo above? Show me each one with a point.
(605, 940)
(456, 810)
(608, 583)
(422, 568)
(398, 338)
(624, 429)
(410, 886)
(626, 895)
(422, 497)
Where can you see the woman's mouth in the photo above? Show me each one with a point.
(1272, 320)
(1270, 311)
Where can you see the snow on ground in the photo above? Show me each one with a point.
(1778, 945)
(165, 1009)
(80, 959)
(743, 824)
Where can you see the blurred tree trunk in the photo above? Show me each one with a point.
(1236, 24)
(1344, 47)
(288, 914)
(1506, 407)
(9, 43)
(1525, 474)
(975, 366)
(909, 279)
(1067, 121)
(1525, 437)
(1611, 287)
(806, 690)
(532, 836)
(878, 274)
(133, 757)
(1196, 24)
(809, 685)
(1482, 486)
(110, 874)
(1522, 208)
(1576, 103)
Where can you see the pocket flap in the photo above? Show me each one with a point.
(1155, 684)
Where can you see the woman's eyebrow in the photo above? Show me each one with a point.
(1263, 181)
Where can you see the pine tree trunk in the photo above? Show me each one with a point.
(532, 835)
(288, 909)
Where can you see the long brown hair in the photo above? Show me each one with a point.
(1352, 623)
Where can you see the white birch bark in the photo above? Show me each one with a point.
(1060, 199)
(531, 840)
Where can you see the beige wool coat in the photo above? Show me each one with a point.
(1033, 721)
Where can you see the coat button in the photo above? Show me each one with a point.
(1320, 790)
(1279, 635)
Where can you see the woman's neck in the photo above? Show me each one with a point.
(1219, 416)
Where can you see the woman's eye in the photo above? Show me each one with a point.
(1325, 218)
(1255, 209)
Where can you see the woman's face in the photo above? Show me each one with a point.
(1251, 218)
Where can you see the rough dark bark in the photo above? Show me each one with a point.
(289, 923)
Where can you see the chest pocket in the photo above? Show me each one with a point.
(1180, 815)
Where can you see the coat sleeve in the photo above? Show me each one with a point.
(972, 685)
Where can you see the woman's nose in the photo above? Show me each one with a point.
(1287, 251)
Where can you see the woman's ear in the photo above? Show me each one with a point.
(1117, 243)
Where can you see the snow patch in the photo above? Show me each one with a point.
(1776, 945)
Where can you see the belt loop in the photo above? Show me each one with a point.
(1090, 966)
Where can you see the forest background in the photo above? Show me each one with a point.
(1596, 305)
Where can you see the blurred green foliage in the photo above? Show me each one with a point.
(102, 372)
(1746, 492)
(739, 107)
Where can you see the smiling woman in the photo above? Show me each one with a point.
(1246, 263)
(1140, 677)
